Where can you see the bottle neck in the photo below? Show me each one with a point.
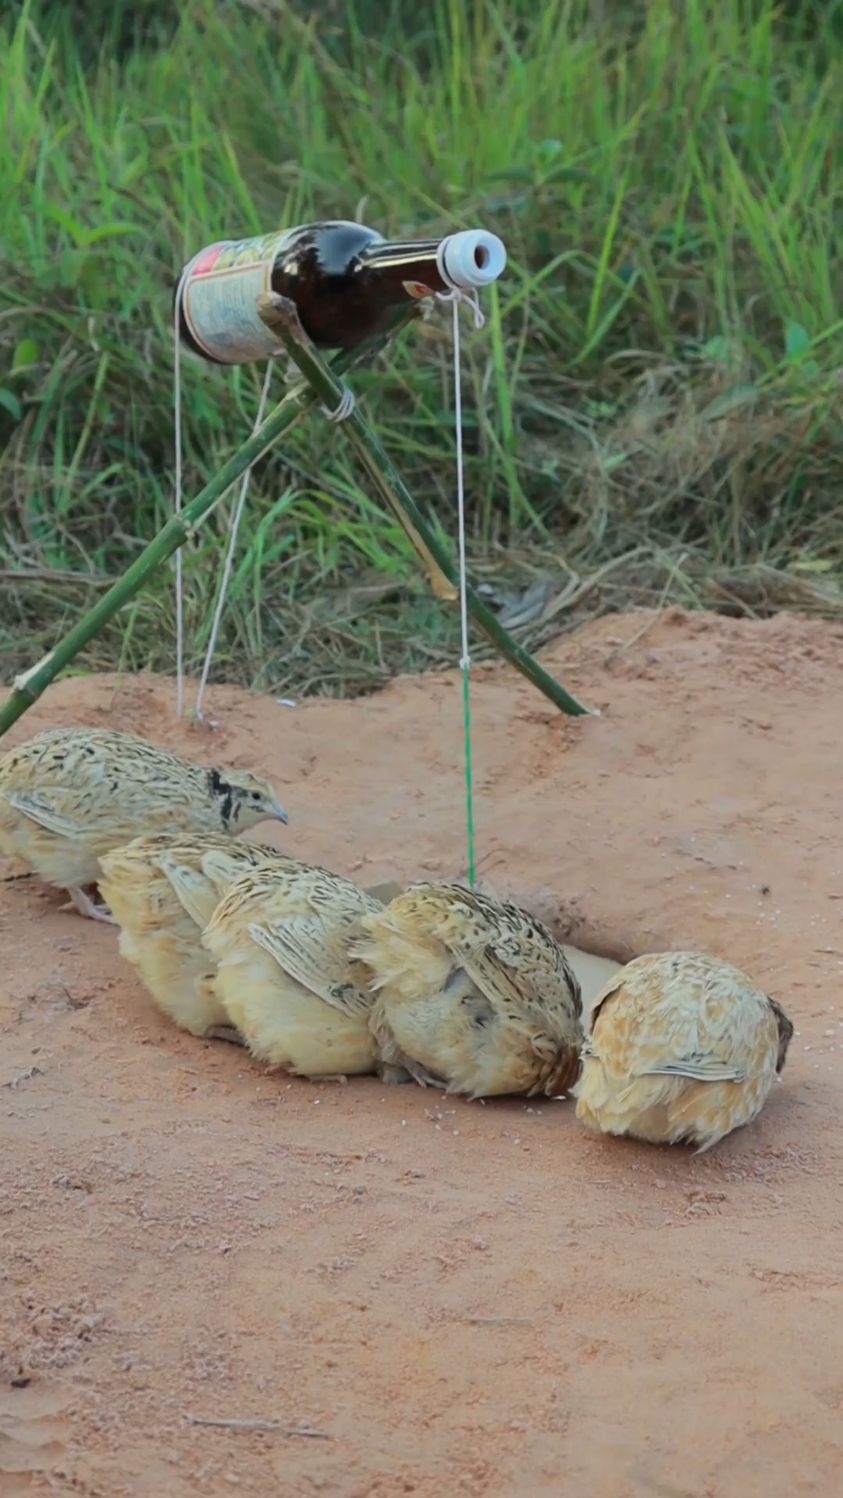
(413, 261)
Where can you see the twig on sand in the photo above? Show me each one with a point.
(308, 1431)
(24, 1076)
(499, 1320)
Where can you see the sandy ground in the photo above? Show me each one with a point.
(431, 1297)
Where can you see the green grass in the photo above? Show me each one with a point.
(653, 410)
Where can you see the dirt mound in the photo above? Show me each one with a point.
(419, 1295)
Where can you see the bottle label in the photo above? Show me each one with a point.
(417, 290)
(221, 287)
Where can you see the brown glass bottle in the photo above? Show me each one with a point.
(346, 282)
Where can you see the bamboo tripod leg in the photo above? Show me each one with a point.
(280, 315)
(29, 686)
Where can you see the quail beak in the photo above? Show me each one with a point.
(279, 814)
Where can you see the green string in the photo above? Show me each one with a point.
(469, 779)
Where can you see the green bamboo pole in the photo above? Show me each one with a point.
(280, 315)
(29, 686)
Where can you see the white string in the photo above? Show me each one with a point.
(343, 411)
(347, 403)
(178, 499)
(228, 566)
(456, 297)
(465, 662)
(462, 298)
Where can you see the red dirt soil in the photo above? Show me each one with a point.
(432, 1297)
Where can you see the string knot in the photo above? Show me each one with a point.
(462, 298)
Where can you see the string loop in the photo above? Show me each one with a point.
(348, 401)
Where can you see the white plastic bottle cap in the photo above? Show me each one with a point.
(471, 258)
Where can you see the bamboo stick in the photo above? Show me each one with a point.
(280, 315)
(29, 686)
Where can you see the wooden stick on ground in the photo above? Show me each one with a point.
(308, 1431)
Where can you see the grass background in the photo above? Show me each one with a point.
(654, 407)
